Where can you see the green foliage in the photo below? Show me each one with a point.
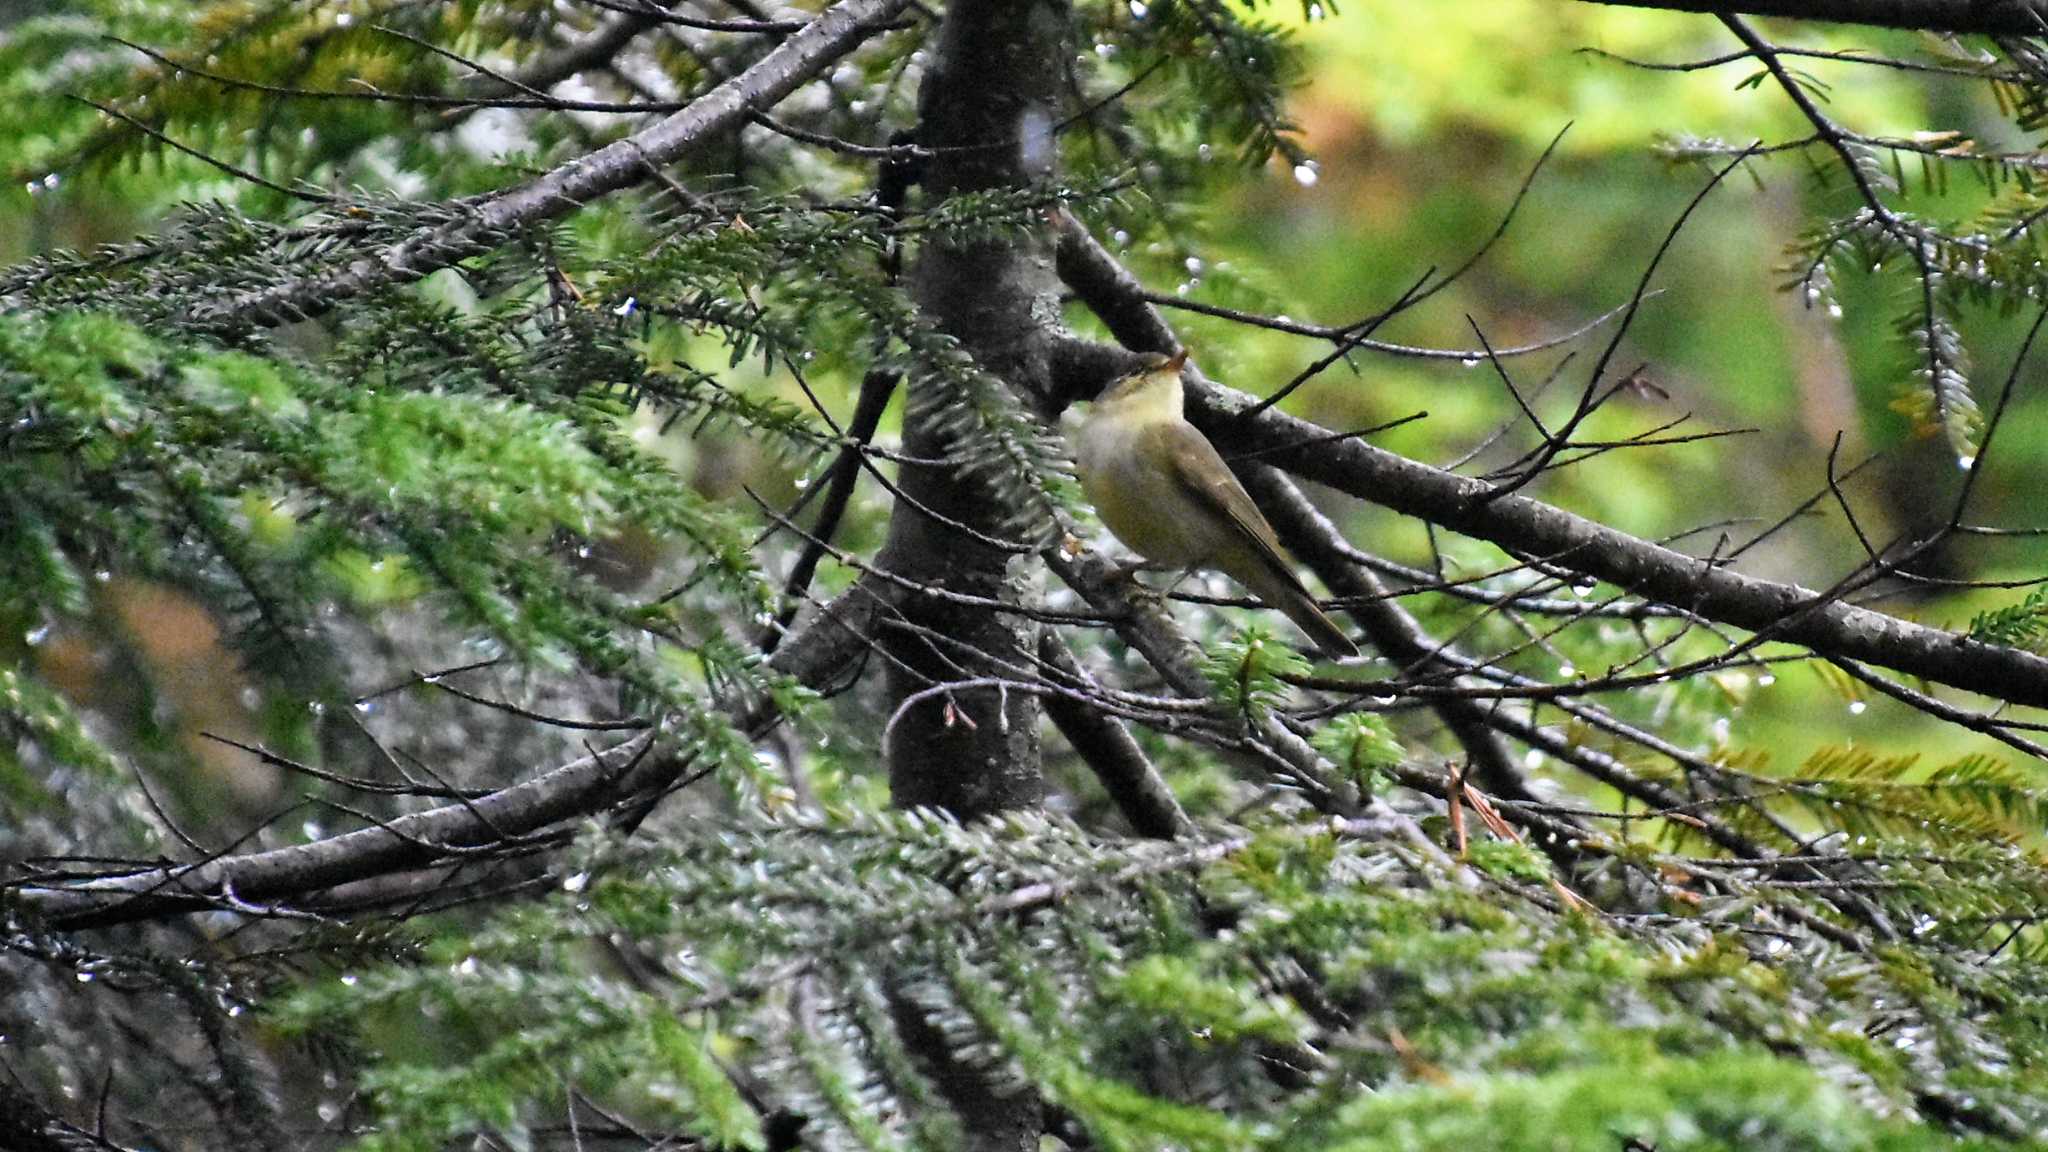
(1361, 744)
(1866, 794)
(1345, 964)
(1710, 1102)
(1249, 669)
(2021, 625)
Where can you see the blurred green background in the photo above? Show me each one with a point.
(1424, 120)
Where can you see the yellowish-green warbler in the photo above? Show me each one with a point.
(1161, 487)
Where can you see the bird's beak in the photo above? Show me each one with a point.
(1174, 362)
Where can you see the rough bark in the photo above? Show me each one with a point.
(987, 107)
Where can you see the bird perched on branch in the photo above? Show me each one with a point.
(1161, 487)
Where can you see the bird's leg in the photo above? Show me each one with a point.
(1128, 574)
(1177, 582)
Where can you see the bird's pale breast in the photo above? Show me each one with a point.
(1139, 501)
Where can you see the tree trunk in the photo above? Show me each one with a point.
(988, 107)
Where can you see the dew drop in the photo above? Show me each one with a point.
(1766, 680)
(576, 882)
(36, 635)
(1307, 173)
(1858, 707)
(1139, 9)
(1966, 461)
(349, 978)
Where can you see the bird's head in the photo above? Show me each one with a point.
(1155, 384)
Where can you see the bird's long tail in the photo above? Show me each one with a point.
(1280, 589)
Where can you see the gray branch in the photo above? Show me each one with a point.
(252, 881)
(1393, 632)
(1135, 786)
(568, 187)
(1527, 527)
(255, 879)
(1522, 526)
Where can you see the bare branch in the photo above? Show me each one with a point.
(1525, 526)
(568, 187)
(1129, 778)
(2003, 17)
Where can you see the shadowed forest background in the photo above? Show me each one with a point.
(510, 639)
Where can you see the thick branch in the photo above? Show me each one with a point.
(1391, 630)
(258, 878)
(1999, 17)
(1522, 526)
(815, 656)
(568, 187)
(1109, 748)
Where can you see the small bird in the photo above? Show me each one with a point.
(1161, 487)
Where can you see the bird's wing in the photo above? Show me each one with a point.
(1203, 475)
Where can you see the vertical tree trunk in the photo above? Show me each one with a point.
(988, 109)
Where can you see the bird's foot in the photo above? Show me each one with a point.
(1125, 577)
(1128, 573)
